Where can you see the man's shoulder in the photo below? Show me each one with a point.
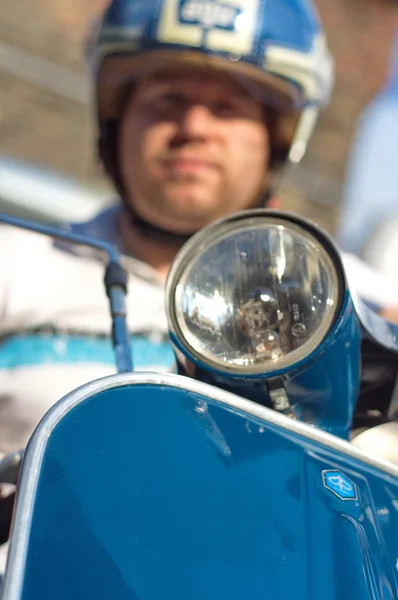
(102, 226)
(15, 240)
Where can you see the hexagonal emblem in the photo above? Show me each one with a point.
(340, 485)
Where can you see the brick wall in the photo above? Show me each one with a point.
(360, 34)
(36, 124)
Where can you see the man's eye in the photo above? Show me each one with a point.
(168, 101)
(224, 107)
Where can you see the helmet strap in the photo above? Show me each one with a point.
(165, 236)
(148, 230)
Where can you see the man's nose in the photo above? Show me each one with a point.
(197, 120)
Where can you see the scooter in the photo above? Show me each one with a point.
(266, 466)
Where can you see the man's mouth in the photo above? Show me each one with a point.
(187, 166)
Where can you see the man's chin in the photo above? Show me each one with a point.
(192, 202)
(186, 218)
(188, 191)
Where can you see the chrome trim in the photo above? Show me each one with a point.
(35, 451)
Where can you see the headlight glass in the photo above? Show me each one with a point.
(257, 296)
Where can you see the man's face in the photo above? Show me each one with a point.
(194, 147)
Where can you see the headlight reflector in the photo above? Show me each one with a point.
(252, 296)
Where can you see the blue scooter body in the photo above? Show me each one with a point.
(148, 486)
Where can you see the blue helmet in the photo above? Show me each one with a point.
(276, 48)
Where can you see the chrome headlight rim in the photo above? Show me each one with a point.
(217, 231)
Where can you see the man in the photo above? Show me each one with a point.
(199, 103)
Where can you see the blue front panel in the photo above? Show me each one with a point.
(323, 388)
(147, 493)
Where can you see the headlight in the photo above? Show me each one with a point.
(252, 294)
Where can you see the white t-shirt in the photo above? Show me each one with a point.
(55, 323)
(55, 320)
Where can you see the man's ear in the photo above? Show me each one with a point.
(274, 203)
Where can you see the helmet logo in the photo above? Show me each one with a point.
(208, 14)
(228, 26)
